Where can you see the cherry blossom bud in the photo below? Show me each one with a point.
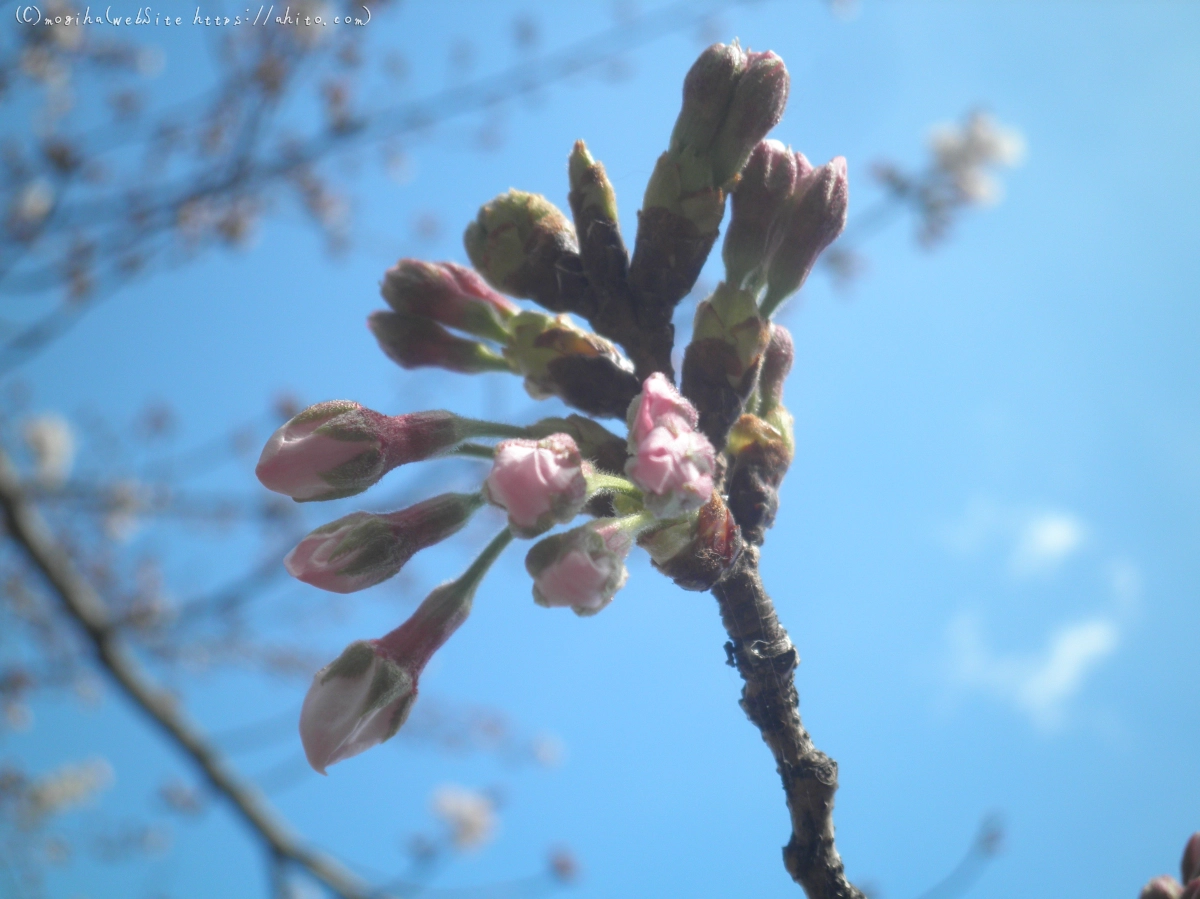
(670, 461)
(363, 549)
(596, 443)
(1163, 887)
(328, 451)
(355, 702)
(1190, 865)
(708, 90)
(340, 448)
(777, 363)
(363, 697)
(594, 208)
(815, 219)
(540, 483)
(415, 342)
(450, 294)
(697, 551)
(582, 568)
(522, 244)
(758, 201)
(1192, 890)
(756, 108)
(559, 359)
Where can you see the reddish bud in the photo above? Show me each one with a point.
(415, 342)
(363, 549)
(815, 219)
(760, 198)
(756, 108)
(777, 363)
(1190, 865)
(450, 294)
(708, 91)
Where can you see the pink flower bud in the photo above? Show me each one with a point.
(363, 697)
(669, 460)
(760, 198)
(340, 448)
(815, 219)
(1192, 890)
(450, 294)
(582, 568)
(355, 702)
(658, 401)
(363, 549)
(1190, 865)
(540, 483)
(328, 451)
(756, 108)
(415, 342)
(1163, 887)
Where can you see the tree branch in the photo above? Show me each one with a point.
(82, 604)
(763, 654)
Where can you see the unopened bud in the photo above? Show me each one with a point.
(559, 359)
(355, 702)
(815, 219)
(328, 451)
(450, 294)
(1163, 887)
(1190, 865)
(522, 244)
(696, 553)
(756, 108)
(596, 443)
(708, 90)
(669, 460)
(582, 568)
(363, 549)
(540, 483)
(416, 342)
(1192, 890)
(339, 448)
(777, 363)
(760, 198)
(594, 207)
(363, 697)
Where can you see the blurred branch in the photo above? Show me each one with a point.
(242, 175)
(84, 606)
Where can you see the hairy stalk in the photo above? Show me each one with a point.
(83, 604)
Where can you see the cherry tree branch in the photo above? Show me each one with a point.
(85, 607)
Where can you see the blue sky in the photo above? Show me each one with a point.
(987, 545)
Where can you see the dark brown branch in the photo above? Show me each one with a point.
(763, 654)
(83, 605)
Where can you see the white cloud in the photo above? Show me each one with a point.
(1039, 684)
(1044, 541)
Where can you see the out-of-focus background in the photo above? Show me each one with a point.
(986, 551)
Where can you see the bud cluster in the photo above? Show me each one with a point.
(785, 213)
(731, 99)
(660, 485)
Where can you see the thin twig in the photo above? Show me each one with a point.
(84, 605)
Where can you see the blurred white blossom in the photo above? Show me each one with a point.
(471, 816)
(63, 789)
(52, 442)
(965, 153)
